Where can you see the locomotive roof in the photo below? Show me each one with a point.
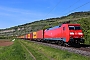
(61, 25)
(53, 28)
(73, 24)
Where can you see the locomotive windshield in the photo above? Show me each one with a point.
(74, 28)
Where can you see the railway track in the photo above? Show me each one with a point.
(83, 47)
(28, 50)
(84, 50)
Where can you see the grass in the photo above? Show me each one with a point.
(14, 52)
(40, 52)
(38, 55)
(51, 53)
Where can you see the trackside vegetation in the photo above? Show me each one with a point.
(14, 52)
(42, 52)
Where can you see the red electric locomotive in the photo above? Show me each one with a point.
(64, 34)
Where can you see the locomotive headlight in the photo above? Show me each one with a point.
(80, 33)
(71, 33)
(81, 36)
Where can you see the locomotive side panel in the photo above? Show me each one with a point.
(54, 33)
(65, 33)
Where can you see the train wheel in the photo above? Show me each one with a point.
(60, 43)
(66, 44)
(47, 41)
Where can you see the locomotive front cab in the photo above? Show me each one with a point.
(76, 35)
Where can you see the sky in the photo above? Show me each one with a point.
(18, 12)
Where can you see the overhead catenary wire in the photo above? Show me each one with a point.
(71, 5)
(68, 7)
(53, 8)
(78, 7)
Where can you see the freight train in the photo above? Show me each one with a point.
(65, 34)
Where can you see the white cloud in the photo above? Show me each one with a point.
(12, 16)
(12, 12)
(20, 13)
